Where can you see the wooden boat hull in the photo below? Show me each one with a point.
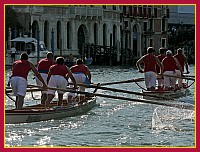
(166, 94)
(37, 113)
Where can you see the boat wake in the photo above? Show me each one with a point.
(169, 118)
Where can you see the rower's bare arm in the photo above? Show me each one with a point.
(72, 78)
(138, 64)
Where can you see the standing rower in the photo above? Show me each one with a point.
(82, 75)
(183, 61)
(161, 56)
(43, 68)
(150, 61)
(18, 80)
(169, 63)
(57, 78)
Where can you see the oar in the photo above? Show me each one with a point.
(125, 91)
(166, 75)
(28, 90)
(125, 81)
(190, 76)
(189, 107)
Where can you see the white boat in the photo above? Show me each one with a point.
(40, 113)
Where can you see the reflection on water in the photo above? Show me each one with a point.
(112, 123)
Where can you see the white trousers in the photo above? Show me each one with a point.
(150, 79)
(19, 85)
(169, 81)
(57, 81)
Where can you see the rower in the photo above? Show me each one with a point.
(150, 61)
(43, 68)
(82, 75)
(57, 78)
(20, 70)
(183, 61)
(161, 56)
(170, 63)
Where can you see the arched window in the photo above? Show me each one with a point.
(95, 34)
(104, 35)
(46, 33)
(68, 36)
(114, 34)
(59, 43)
(35, 28)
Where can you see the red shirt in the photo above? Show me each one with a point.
(169, 64)
(58, 70)
(21, 68)
(149, 63)
(79, 68)
(181, 60)
(44, 65)
(160, 57)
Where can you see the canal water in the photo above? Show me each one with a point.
(114, 123)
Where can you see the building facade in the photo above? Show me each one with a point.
(181, 25)
(113, 34)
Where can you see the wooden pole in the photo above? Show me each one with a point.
(126, 81)
(125, 91)
(187, 78)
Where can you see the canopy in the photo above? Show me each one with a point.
(24, 39)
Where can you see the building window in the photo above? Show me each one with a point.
(104, 35)
(95, 33)
(163, 42)
(104, 6)
(135, 11)
(155, 12)
(150, 42)
(59, 35)
(149, 12)
(114, 7)
(151, 24)
(68, 35)
(163, 25)
(144, 11)
(140, 11)
(145, 26)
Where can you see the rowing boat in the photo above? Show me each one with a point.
(38, 112)
(170, 94)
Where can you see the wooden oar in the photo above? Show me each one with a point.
(125, 91)
(166, 75)
(189, 76)
(189, 107)
(28, 90)
(126, 81)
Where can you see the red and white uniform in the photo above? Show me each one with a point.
(181, 60)
(169, 65)
(18, 80)
(160, 58)
(43, 68)
(58, 78)
(149, 61)
(80, 72)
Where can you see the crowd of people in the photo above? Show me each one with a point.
(165, 70)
